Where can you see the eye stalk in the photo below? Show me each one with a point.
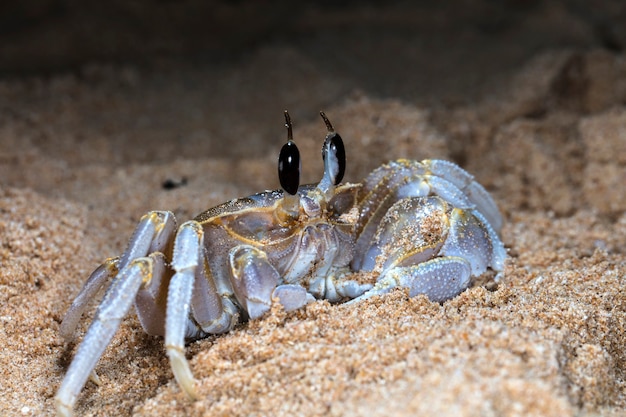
(289, 164)
(334, 156)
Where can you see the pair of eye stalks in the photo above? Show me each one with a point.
(333, 154)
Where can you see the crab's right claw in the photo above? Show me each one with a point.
(254, 279)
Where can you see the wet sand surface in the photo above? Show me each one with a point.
(84, 154)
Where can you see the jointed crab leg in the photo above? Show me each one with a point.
(134, 269)
(151, 234)
(114, 307)
(151, 297)
(93, 284)
(187, 259)
(212, 311)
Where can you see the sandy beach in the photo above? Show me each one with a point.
(85, 151)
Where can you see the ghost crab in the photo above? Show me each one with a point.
(427, 226)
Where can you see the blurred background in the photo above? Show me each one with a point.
(496, 86)
(196, 68)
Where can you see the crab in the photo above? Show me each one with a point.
(427, 226)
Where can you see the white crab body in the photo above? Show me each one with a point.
(426, 226)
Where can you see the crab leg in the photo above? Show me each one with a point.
(150, 299)
(213, 311)
(114, 307)
(94, 283)
(151, 234)
(186, 261)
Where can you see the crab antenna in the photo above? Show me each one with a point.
(289, 173)
(334, 156)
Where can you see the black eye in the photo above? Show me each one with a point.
(289, 167)
(334, 145)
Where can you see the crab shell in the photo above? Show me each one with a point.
(304, 250)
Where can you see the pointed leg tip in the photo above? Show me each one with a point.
(93, 377)
(63, 409)
(182, 372)
(191, 392)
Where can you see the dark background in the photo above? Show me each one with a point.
(193, 70)
(482, 37)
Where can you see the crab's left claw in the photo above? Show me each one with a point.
(439, 279)
(424, 245)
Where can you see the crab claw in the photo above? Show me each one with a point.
(254, 279)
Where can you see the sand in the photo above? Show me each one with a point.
(84, 154)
